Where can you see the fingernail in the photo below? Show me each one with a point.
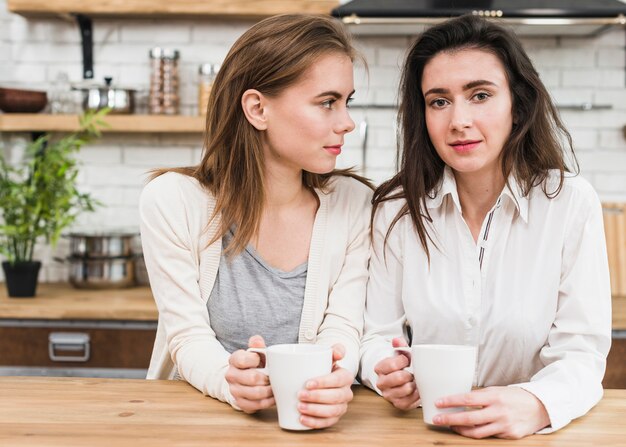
(439, 402)
(301, 406)
(436, 419)
(303, 395)
(311, 384)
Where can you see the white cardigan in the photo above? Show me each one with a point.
(174, 212)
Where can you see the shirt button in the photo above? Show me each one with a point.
(309, 334)
(471, 321)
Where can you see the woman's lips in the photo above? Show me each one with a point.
(335, 150)
(464, 146)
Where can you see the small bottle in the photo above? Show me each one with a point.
(164, 81)
(206, 77)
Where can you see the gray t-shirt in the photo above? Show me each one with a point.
(252, 298)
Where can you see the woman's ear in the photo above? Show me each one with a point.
(253, 105)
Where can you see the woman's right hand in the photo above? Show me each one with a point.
(396, 384)
(250, 387)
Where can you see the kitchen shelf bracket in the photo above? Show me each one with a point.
(86, 38)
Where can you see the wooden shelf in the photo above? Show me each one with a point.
(223, 8)
(37, 122)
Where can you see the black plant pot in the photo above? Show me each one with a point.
(21, 278)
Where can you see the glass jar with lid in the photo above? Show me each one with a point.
(164, 98)
(206, 77)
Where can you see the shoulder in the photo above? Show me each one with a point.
(387, 210)
(576, 190)
(175, 187)
(349, 192)
(176, 196)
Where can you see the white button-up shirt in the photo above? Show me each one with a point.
(533, 293)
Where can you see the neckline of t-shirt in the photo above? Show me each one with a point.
(296, 271)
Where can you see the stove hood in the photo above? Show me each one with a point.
(527, 17)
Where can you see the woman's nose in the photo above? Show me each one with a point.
(461, 117)
(346, 124)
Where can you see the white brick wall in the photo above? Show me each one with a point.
(34, 51)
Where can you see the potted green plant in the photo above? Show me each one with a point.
(39, 199)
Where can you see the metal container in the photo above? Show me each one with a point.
(101, 245)
(104, 273)
(164, 96)
(119, 100)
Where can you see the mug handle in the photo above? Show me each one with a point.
(262, 352)
(407, 350)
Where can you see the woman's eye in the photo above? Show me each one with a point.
(328, 104)
(349, 101)
(482, 96)
(438, 103)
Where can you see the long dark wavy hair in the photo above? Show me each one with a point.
(538, 141)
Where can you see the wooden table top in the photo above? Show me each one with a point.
(61, 301)
(46, 411)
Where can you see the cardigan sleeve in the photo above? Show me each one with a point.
(570, 383)
(384, 312)
(343, 316)
(173, 217)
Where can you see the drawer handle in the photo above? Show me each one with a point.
(68, 341)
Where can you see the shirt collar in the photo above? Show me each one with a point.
(515, 196)
(448, 187)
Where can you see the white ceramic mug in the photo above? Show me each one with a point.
(439, 371)
(289, 367)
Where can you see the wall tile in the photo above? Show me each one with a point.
(33, 51)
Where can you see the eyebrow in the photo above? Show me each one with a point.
(468, 86)
(334, 93)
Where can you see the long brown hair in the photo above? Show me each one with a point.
(532, 149)
(269, 57)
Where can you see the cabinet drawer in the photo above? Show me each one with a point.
(615, 376)
(111, 344)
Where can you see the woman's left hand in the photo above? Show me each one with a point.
(503, 412)
(325, 399)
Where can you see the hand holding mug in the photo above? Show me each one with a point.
(249, 386)
(503, 412)
(396, 384)
(325, 399)
(289, 368)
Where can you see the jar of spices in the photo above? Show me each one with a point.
(164, 81)
(206, 76)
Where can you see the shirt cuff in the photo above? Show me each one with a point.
(369, 359)
(544, 391)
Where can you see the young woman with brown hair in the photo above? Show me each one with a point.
(485, 238)
(263, 241)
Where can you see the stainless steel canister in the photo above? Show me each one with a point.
(101, 273)
(102, 260)
(100, 245)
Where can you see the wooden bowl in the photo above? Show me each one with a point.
(14, 100)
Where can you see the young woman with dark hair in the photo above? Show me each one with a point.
(485, 237)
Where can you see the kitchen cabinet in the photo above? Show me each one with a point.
(37, 122)
(191, 8)
(615, 376)
(614, 216)
(72, 332)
